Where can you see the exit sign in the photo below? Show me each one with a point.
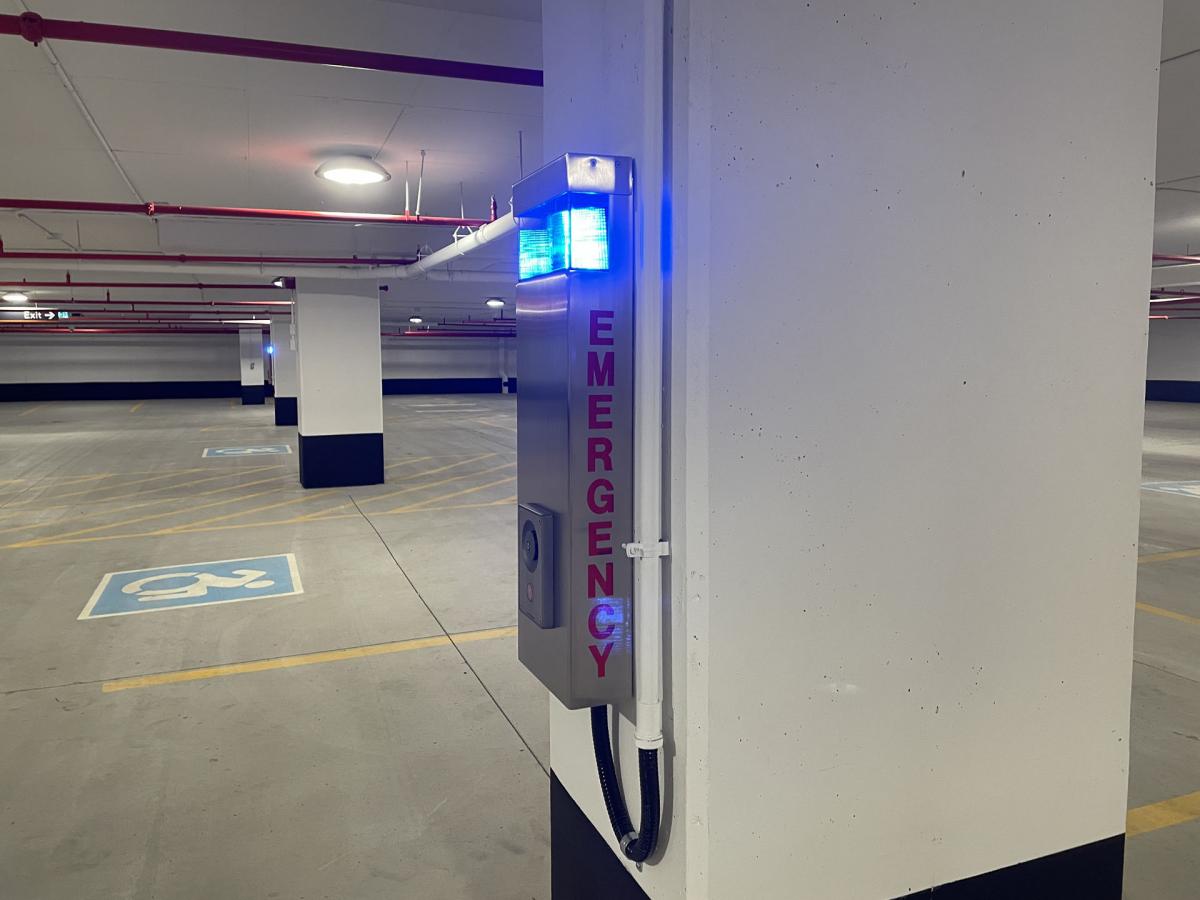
(33, 315)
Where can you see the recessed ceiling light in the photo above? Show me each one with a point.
(352, 170)
(260, 322)
(279, 282)
(494, 302)
(16, 297)
(416, 320)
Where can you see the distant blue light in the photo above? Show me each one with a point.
(270, 348)
(572, 238)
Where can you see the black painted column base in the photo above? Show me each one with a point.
(285, 411)
(340, 460)
(582, 866)
(1093, 871)
(253, 394)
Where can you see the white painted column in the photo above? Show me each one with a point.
(283, 355)
(250, 351)
(340, 383)
(908, 260)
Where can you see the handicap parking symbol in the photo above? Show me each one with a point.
(258, 450)
(193, 584)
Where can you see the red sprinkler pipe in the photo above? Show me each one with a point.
(448, 334)
(34, 28)
(156, 285)
(185, 259)
(199, 304)
(237, 212)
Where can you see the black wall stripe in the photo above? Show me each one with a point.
(185, 390)
(120, 390)
(1178, 391)
(441, 385)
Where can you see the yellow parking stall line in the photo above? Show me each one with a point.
(405, 462)
(425, 485)
(184, 504)
(1164, 814)
(62, 538)
(241, 512)
(1168, 555)
(26, 412)
(321, 516)
(137, 406)
(444, 468)
(422, 503)
(126, 484)
(303, 659)
(171, 487)
(1168, 613)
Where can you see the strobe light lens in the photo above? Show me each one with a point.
(352, 170)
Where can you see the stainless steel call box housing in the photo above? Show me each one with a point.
(575, 427)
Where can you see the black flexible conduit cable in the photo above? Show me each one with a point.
(636, 846)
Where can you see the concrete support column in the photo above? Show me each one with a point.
(283, 346)
(1173, 360)
(340, 381)
(907, 255)
(250, 348)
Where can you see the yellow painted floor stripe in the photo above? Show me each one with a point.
(294, 520)
(1168, 555)
(1168, 613)
(303, 659)
(136, 406)
(31, 409)
(1154, 816)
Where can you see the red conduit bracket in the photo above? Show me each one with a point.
(32, 27)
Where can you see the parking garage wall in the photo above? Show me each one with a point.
(98, 367)
(118, 366)
(1173, 360)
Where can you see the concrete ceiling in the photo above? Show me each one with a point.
(225, 131)
(1177, 207)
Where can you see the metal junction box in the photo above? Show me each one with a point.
(575, 427)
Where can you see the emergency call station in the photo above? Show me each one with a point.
(575, 427)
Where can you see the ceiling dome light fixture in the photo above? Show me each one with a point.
(415, 320)
(16, 297)
(494, 303)
(352, 170)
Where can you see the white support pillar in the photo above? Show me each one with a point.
(250, 350)
(903, 438)
(283, 355)
(340, 382)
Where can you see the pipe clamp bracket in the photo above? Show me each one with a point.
(655, 550)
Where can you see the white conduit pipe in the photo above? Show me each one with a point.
(485, 234)
(648, 384)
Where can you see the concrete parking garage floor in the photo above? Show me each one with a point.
(407, 762)
(372, 736)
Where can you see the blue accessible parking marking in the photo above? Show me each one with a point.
(258, 450)
(194, 584)
(1184, 488)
